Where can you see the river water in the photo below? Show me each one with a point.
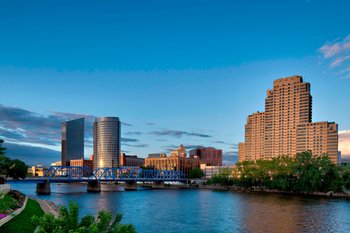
(205, 210)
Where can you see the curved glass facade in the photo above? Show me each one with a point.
(106, 142)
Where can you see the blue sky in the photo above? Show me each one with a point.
(173, 71)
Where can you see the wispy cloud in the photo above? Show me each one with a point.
(344, 142)
(135, 145)
(231, 145)
(128, 140)
(178, 133)
(31, 155)
(337, 55)
(127, 124)
(229, 157)
(19, 125)
(133, 133)
(188, 147)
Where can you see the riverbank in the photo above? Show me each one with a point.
(236, 212)
(330, 194)
(254, 190)
(48, 207)
(22, 221)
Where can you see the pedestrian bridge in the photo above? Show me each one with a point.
(128, 175)
(78, 174)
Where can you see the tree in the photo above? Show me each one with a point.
(2, 149)
(195, 173)
(5, 164)
(11, 168)
(68, 222)
(18, 169)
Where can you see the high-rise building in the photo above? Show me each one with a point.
(286, 127)
(106, 142)
(320, 138)
(241, 152)
(207, 155)
(72, 142)
(255, 136)
(287, 105)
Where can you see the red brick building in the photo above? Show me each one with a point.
(207, 155)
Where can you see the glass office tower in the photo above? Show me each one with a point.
(72, 143)
(106, 142)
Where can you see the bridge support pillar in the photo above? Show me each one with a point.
(43, 188)
(158, 184)
(93, 186)
(130, 186)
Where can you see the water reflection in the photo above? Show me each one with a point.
(206, 211)
(279, 213)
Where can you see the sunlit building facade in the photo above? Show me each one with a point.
(106, 142)
(177, 161)
(241, 152)
(130, 161)
(286, 127)
(207, 155)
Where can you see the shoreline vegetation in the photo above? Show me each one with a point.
(303, 174)
(45, 216)
(22, 222)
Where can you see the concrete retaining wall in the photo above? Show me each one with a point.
(4, 188)
(14, 214)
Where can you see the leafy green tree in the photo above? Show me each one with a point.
(346, 179)
(18, 169)
(2, 149)
(68, 222)
(301, 173)
(195, 173)
(11, 168)
(5, 164)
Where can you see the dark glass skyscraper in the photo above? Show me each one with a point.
(72, 140)
(106, 142)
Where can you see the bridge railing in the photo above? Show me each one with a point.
(138, 174)
(77, 173)
(69, 173)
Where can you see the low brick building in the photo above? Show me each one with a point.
(130, 161)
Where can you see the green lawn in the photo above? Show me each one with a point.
(22, 222)
(7, 202)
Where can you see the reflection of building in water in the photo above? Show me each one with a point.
(279, 213)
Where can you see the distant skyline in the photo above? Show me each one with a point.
(174, 72)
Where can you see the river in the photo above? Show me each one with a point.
(205, 210)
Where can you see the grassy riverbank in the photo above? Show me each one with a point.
(7, 202)
(22, 222)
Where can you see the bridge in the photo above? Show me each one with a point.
(130, 177)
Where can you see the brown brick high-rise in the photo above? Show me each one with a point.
(285, 126)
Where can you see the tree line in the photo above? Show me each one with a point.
(14, 168)
(301, 173)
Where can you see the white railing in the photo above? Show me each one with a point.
(4, 188)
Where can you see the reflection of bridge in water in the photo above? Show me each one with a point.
(130, 177)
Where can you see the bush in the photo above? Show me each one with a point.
(302, 173)
(7, 202)
(21, 223)
(68, 222)
(195, 173)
